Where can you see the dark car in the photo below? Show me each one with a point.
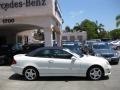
(7, 51)
(5, 54)
(30, 47)
(73, 46)
(17, 48)
(87, 47)
(102, 49)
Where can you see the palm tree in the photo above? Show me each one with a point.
(77, 27)
(67, 29)
(118, 20)
(100, 27)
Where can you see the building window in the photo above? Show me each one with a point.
(72, 38)
(79, 38)
(26, 39)
(39, 35)
(19, 39)
(57, 9)
(64, 38)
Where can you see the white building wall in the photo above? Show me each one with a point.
(83, 34)
(41, 16)
(27, 33)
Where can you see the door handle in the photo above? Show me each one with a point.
(51, 61)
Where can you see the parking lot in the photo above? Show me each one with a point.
(11, 81)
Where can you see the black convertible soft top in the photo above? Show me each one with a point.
(43, 48)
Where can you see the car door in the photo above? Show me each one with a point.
(43, 58)
(62, 64)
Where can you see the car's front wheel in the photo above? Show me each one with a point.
(95, 73)
(31, 73)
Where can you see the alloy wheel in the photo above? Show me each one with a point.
(30, 74)
(95, 73)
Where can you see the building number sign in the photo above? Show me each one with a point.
(8, 20)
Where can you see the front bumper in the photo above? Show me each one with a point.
(107, 70)
(113, 59)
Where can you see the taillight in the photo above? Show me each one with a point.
(13, 62)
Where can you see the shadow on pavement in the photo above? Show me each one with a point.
(63, 78)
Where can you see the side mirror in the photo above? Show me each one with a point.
(73, 58)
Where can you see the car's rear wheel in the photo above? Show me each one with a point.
(2, 62)
(31, 73)
(95, 73)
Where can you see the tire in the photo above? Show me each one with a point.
(31, 73)
(115, 63)
(2, 62)
(95, 73)
(118, 48)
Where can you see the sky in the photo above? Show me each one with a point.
(104, 11)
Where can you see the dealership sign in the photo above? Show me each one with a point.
(21, 3)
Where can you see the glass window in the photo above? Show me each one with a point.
(101, 46)
(26, 39)
(64, 38)
(43, 53)
(19, 39)
(72, 38)
(61, 54)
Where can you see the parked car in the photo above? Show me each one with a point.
(87, 47)
(73, 46)
(17, 48)
(56, 61)
(104, 50)
(116, 44)
(5, 54)
(30, 47)
(7, 51)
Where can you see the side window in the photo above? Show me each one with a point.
(43, 53)
(61, 54)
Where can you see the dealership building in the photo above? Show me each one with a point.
(20, 18)
(74, 36)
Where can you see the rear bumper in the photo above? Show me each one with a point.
(17, 69)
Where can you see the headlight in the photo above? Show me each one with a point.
(107, 62)
(116, 54)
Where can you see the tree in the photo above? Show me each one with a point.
(100, 30)
(77, 27)
(115, 34)
(93, 29)
(90, 27)
(118, 20)
(67, 29)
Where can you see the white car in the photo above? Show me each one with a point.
(51, 61)
(115, 44)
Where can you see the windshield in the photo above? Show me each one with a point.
(75, 54)
(74, 49)
(101, 46)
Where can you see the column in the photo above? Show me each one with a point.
(48, 37)
(58, 38)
